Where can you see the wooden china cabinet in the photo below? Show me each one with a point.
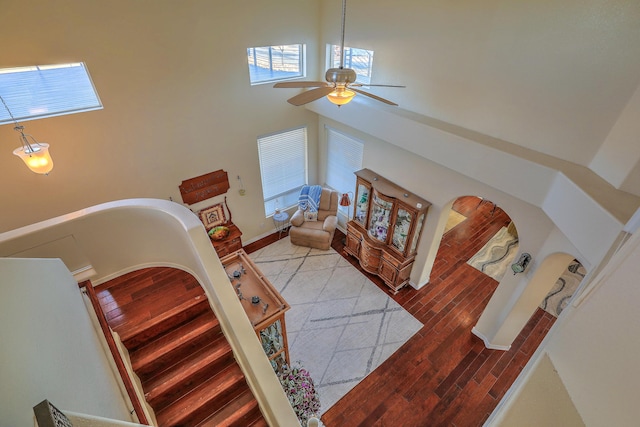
(386, 227)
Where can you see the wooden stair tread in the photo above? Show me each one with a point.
(186, 372)
(139, 334)
(205, 324)
(241, 412)
(177, 349)
(203, 400)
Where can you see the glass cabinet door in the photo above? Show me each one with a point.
(401, 229)
(271, 338)
(380, 218)
(361, 204)
(416, 234)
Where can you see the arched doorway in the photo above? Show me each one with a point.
(476, 231)
(511, 306)
(564, 289)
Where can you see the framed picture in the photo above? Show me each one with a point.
(212, 216)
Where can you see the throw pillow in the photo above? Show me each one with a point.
(310, 216)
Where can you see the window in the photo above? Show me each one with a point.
(272, 63)
(283, 168)
(344, 157)
(46, 91)
(360, 60)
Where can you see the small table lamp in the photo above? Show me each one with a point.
(345, 200)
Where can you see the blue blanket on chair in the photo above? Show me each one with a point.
(310, 197)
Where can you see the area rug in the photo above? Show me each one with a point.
(496, 255)
(564, 288)
(341, 326)
(454, 219)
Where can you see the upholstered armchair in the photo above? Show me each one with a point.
(316, 234)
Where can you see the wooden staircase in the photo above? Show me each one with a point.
(185, 364)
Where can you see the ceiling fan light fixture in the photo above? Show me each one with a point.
(341, 96)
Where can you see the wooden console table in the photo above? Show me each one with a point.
(264, 306)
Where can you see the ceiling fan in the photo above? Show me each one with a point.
(340, 86)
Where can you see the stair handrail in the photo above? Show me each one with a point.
(115, 353)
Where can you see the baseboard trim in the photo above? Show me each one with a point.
(487, 343)
(84, 273)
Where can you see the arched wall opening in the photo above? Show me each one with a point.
(478, 233)
(475, 231)
(518, 297)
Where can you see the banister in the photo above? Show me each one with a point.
(113, 347)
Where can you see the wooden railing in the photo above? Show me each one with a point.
(113, 347)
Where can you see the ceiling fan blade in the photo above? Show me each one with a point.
(310, 95)
(300, 84)
(370, 95)
(366, 85)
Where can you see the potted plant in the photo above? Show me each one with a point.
(299, 388)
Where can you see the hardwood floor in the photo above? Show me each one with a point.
(444, 375)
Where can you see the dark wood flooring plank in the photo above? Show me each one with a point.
(444, 375)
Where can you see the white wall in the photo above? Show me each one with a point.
(594, 348)
(174, 81)
(543, 401)
(49, 347)
(619, 154)
(550, 76)
(440, 186)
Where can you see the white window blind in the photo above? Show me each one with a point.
(344, 157)
(45, 91)
(273, 63)
(283, 167)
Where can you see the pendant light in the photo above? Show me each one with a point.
(34, 154)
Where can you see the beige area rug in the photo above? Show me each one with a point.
(496, 255)
(454, 219)
(564, 288)
(341, 326)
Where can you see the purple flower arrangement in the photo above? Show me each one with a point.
(299, 388)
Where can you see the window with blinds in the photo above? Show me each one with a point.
(273, 63)
(45, 91)
(283, 168)
(344, 157)
(359, 60)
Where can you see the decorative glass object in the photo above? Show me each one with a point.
(362, 204)
(271, 338)
(401, 229)
(380, 218)
(416, 234)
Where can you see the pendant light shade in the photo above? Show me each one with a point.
(36, 157)
(34, 154)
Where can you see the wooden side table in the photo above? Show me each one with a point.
(231, 243)
(262, 303)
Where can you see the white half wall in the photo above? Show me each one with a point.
(619, 154)
(40, 299)
(595, 347)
